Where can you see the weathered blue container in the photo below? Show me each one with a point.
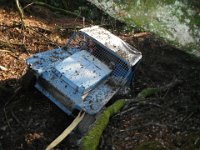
(87, 72)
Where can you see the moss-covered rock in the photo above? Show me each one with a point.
(150, 145)
(176, 21)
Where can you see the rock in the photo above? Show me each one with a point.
(176, 21)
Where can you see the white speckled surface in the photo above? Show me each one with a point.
(83, 69)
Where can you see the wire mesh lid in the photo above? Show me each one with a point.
(114, 43)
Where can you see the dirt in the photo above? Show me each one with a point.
(169, 117)
(30, 121)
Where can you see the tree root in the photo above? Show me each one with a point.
(66, 132)
(91, 139)
(150, 91)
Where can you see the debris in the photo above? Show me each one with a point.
(3, 68)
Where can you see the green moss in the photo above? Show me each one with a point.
(147, 92)
(195, 20)
(150, 145)
(91, 140)
(175, 21)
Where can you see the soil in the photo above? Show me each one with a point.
(30, 121)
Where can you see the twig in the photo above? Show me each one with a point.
(124, 111)
(16, 119)
(9, 26)
(150, 91)
(28, 5)
(21, 13)
(141, 34)
(139, 103)
(53, 43)
(9, 44)
(13, 96)
(187, 117)
(148, 124)
(6, 51)
(56, 9)
(7, 121)
(40, 29)
(140, 99)
(6, 104)
(9, 53)
(3, 68)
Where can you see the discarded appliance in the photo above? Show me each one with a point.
(87, 72)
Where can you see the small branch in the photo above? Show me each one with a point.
(188, 117)
(6, 27)
(7, 121)
(3, 68)
(5, 51)
(147, 125)
(56, 9)
(16, 119)
(51, 42)
(21, 13)
(9, 53)
(150, 91)
(6, 104)
(28, 5)
(9, 44)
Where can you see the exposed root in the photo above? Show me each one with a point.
(91, 139)
(66, 132)
(150, 91)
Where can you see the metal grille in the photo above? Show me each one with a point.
(119, 67)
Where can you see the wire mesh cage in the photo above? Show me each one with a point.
(87, 72)
(120, 69)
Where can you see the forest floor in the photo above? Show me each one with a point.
(31, 121)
